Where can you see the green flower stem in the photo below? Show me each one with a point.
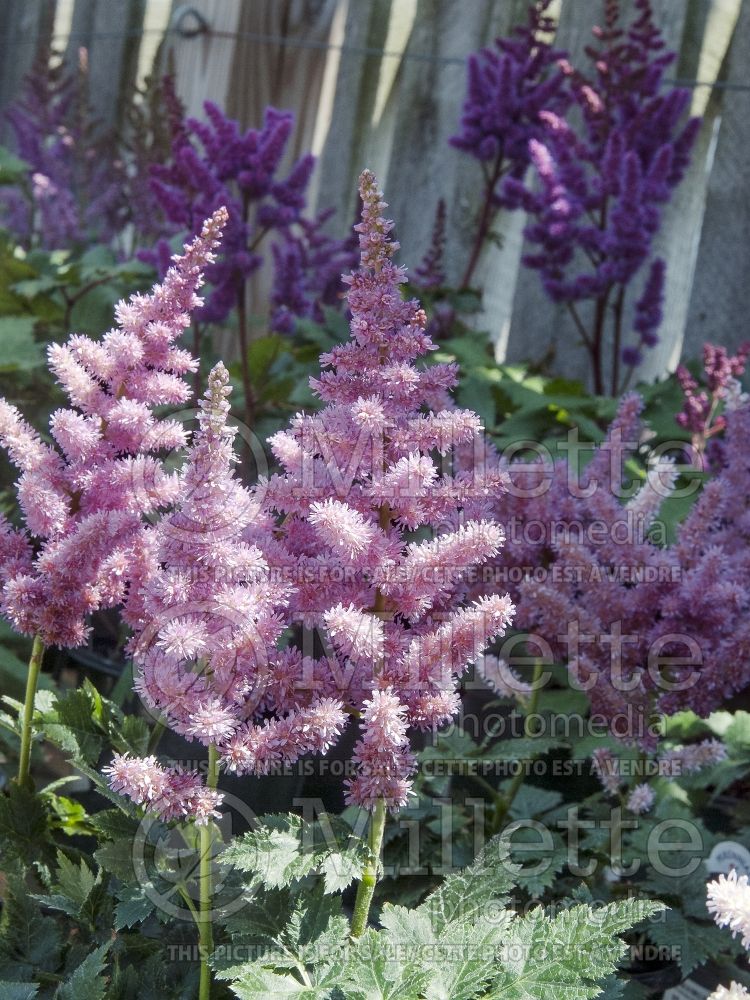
(156, 734)
(366, 887)
(24, 760)
(205, 927)
(502, 808)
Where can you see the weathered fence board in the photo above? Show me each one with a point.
(285, 75)
(718, 303)
(24, 25)
(350, 132)
(110, 33)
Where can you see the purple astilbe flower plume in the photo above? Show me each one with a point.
(83, 496)
(359, 478)
(641, 799)
(597, 204)
(207, 618)
(431, 274)
(76, 188)
(308, 264)
(508, 86)
(214, 163)
(691, 759)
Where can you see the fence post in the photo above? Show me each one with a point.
(286, 74)
(111, 35)
(25, 27)
(718, 302)
(345, 150)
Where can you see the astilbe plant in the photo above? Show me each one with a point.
(647, 628)
(210, 610)
(508, 86)
(359, 480)
(218, 583)
(83, 496)
(602, 185)
(207, 618)
(74, 192)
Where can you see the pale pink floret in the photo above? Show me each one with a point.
(382, 755)
(501, 677)
(355, 633)
(342, 528)
(169, 793)
(607, 768)
(260, 749)
(641, 799)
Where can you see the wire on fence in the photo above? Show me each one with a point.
(308, 43)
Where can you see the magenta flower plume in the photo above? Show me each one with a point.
(83, 496)
(359, 478)
(692, 759)
(641, 799)
(701, 411)
(76, 190)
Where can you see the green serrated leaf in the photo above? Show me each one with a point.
(71, 724)
(372, 973)
(466, 894)
(531, 801)
(340, 869)
(113, 824)
(690, 943)
(87, 982)
(17, 991)
(24, 824)
(273, 855)
(29, 941)
(116, 857)
(566, 956)
(133, 906)
(77, 882)
(253, 982)
(68, 815)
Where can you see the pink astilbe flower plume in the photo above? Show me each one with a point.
(169, 792)
(208, 617)
(82, 496)
(358, 480)
(647, 628)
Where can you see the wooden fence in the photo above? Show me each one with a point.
(381, 82)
